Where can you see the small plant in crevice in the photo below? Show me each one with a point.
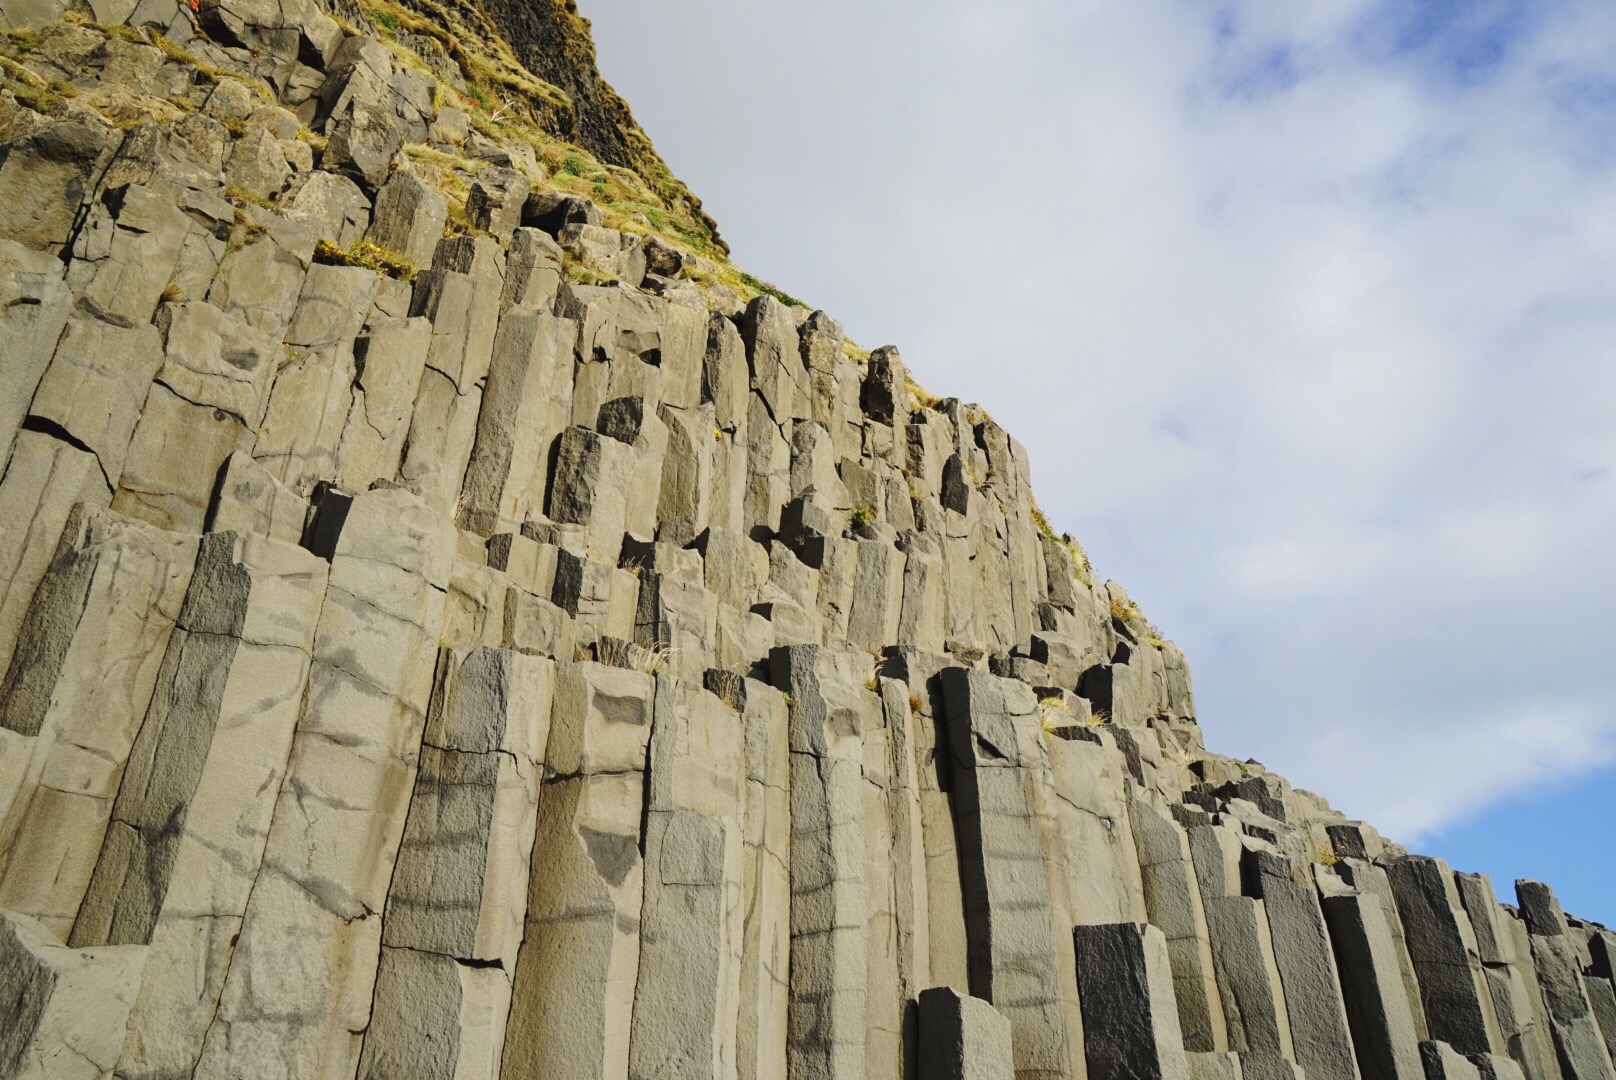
(655, 658)
(1125, 611)
(368, 256)
(1053, 714)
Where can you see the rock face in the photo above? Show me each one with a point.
(447, 633)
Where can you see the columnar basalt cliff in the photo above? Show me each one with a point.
(454, 624)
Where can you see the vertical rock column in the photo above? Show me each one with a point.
(1458, 1009)
(829, 906)
(761, 1025)
(1382, 1024)
(573, 995)
(78, 688)
(962, 1038)
(531, 367)
(1010, 933)
(297, 996)
(934, 777)
(1510, 978)
(193, 812)
(1577, 1037)
(1307, 971)
(1174, 904)
(1130, 1020)
(687, 994)
(909, 887)
(455, 909)
(1248, 976)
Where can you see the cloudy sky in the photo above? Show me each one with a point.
(1306, 313)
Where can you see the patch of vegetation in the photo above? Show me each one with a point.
(923, 398)
(863, 515)
(1053, 714)
(242, 197)
(367, 255)
(1125, 611)
(764, 288)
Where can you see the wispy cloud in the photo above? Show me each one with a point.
(1304, 312)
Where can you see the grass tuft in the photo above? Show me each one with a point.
(367, 255)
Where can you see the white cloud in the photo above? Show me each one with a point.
(1304, 312)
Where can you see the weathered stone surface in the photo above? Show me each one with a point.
(829, 936)
(593, 475)
(1505, 952)
(963, 1038)
(36, 306)
(171, 472)
(300, 981)
(193, 811)
(1174, 904)
(614, 254)
(1130, 1020)
(112, 593)
(313, 780)
(1307, 970)
(464, 309)
(532, 270)
(363, 140)
(1443, 1062)
(679, 619)
(496, 202)
(95, 385)
(1382, 1024)
(993, 745)
(45, 178)
(761, 1025)
(1458, 1009)
(529, 376)
(67, 1009)
(573, 998)
(1577, 1037)
(408, 218)
(455, 910)
(262, 281)
(1224, 1066)
(687, 992)
(1602, 999)
(1369, 878)
(687, 466)
(1268, 1067)
(772, 354)
(391, 356)
(331, 203)
(552, 210)
(45, 479)
(1253, 1001)
(601, 600)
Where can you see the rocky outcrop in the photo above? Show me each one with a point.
(445, 636)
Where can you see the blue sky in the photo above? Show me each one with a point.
(1306, 314)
